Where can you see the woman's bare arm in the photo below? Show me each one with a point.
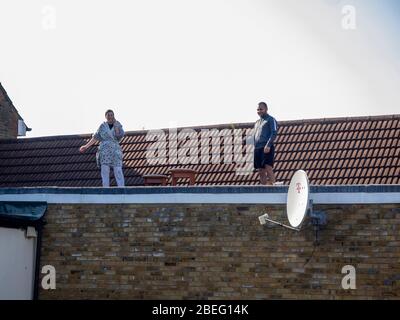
(119, 132)
(87, 145)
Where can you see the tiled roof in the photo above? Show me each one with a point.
(333, 151)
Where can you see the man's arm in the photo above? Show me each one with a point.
(274, 132)
(273, 126)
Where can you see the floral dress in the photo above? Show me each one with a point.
(109, 152)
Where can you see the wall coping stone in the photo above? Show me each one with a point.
(346, 194)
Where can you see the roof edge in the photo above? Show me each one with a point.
(223, 126)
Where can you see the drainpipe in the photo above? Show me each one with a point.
(37, 262)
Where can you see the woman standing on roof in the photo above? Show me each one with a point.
(109, 153)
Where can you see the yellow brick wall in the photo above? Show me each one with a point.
(8, 120)
(218, 252)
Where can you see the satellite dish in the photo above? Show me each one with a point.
(299, 205)
(297, 199)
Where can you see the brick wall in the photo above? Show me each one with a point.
(8, 119)
(218, 252)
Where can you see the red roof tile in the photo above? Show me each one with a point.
(362, 150)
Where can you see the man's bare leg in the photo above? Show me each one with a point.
(263, 176)
(270, 174)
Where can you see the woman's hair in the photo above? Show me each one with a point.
(109, 110)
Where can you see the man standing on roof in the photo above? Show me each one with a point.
(109, 153)
(265, 131)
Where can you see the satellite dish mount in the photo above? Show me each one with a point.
(298, 206)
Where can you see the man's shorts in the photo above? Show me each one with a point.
(262, 159)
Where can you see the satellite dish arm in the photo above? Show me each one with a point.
(281, 224)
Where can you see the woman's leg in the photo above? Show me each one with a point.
(105, 175)
(119, 176)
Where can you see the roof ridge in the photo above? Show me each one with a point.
(342, 119)
(217, 126)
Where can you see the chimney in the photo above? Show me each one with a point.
(11, 123)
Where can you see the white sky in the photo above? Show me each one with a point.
(190, 62)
